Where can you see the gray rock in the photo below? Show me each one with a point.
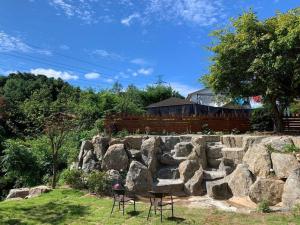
(214, 163)
(291, 190)
(265, 189)
(213, 174)
(214, 150)
(18, 193)
(194, 185)
(277, 143)
(233, 155)
(114, 176)
(115, 158)
(240, 181)
(85, 147)
(199, 153)
(259, 160)
(233, 141)
(170, 142)
(174, 187)
(90, 162)
(187, 169)
(183, 149)
(151, 149)
(135, 154)
(167, 159)
(37, 191)
(218, 190)
(133, 142)
(138, 178)
(100, 145)
(284, 164)
(169, 172)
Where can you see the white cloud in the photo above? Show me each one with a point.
(106, 54)
(81, 9)
(54, 73)
(127, 21)
(139, 61)
(92, 75)
(9, 43)
(144, 71)
(200, 12)
(109, 80)
(183, 89)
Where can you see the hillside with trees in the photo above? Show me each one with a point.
(27, 104)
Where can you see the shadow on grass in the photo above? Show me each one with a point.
(134, 213)
(54, 213)
(12, 222)
(176, 219)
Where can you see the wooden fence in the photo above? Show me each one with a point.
(291, 124)
(177, 124)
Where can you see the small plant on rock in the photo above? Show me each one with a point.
(291, 148)
(264, 207)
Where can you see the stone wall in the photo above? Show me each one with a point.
(220, 166)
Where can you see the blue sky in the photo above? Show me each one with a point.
(92, 43)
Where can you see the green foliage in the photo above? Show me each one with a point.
(255, 57)
(295, 108)
(98, 183)
(264, 207)
(19, 164)
(122, 133)
(261, 119)
(74, 178)
(99, 125)
(291, 148)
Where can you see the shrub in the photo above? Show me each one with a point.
(74, 178)
(99, 125)
(122, 133)
(261, 120)
(264, 207)
(98, 183)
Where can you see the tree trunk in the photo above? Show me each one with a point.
(277, 115)
(54, 172)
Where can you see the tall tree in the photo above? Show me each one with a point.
(254, 57)
(56, 128)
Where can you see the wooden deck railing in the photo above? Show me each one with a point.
(178, 124)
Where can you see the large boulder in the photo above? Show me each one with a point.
(18, 193)
(100, 145)
(291, 190)
(173, 186)
(240, 181)
(259, 160)
(187, 169)
(151, 150)
(194, 185)
(84, 148)
(138, 178)
(115, 158)
(183, 149)
(284, 164)
(90, 162)
(265, 189)
(277, 143)
(198, 153)
(218, 190)
(168, 172)
(133, 142)
(37, 191)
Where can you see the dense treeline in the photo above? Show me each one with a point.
(27, 101)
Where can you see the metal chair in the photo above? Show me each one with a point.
(120, 198)
(156, 201)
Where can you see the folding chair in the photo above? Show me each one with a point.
(120, 198)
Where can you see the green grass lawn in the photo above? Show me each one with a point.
(66, 206)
